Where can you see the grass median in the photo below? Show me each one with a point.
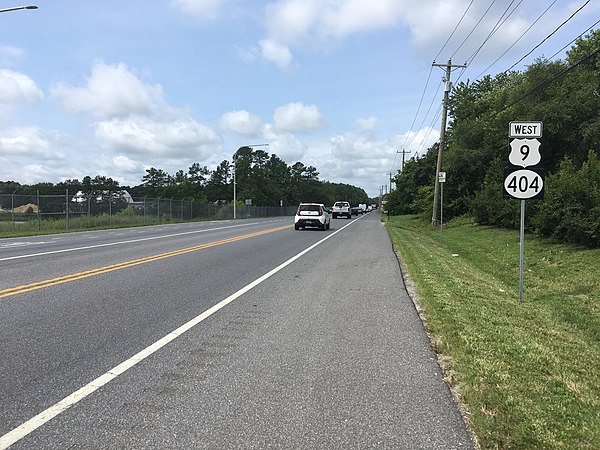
(527, 373)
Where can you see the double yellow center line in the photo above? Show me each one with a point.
(93, 272)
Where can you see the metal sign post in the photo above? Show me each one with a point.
(524, 180)
(441, 180)
(521, 251)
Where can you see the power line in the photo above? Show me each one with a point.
(548, 81)
(436, 117)
(427, 113)
(453, 31)
(496, 27)
(420, 103)
(474, 28)
(518, 39)
(548, 37)
(596, 23)
(427, 84)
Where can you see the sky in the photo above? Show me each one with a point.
(114, 88)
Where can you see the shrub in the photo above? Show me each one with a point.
(571, 209)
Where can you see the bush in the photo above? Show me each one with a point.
(571, 209)
(489, 208)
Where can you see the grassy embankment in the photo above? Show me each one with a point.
(528, 373)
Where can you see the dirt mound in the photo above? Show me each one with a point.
(29, 207)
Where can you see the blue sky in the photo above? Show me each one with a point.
(115, 87)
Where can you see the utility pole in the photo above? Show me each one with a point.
(390, 181)
(404, 152)
(436, 192)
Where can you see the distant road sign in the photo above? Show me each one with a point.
(524, 183)
(520, 130)
(525, 152)
(442, 177)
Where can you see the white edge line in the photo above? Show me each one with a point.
(8, 258)
(37, 421)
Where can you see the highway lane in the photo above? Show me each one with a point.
(315, 354)
(100, 319)
(43, 257)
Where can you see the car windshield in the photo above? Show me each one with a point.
(309, 208)
(338, 204)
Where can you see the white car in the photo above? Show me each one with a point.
(312, 215)
(341, 209)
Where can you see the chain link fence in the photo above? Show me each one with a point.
(68, 211)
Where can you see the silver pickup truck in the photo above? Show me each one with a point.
(341, 209)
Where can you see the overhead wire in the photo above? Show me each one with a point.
(518, 39)
(433, 98)
(496, 27)
(588, 29)
(501, 21)
(406, 143)
(474, 28)
(429, 129)
(549, 80)
(454, 31)
(549, 36)
(420, 103)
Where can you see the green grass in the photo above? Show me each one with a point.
(31, 227)
(527, 373)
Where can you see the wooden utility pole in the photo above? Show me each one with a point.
(436, 192)
(404, 152)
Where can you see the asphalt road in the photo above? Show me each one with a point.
(242, 334)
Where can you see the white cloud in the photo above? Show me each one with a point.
(295, 21)
(367, 124)
(291, 20)
(32, 154)
(179, 139)
(276, 52)
(124, 164)
(111, 91)
(10, 54)
(350, 149)
(204, 9)
(285, 145)
(417, 143)
(17, 89)
(241, 122)
(297, 117)
(32, 143)
(321, 24)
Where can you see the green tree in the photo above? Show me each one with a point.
(219, 187)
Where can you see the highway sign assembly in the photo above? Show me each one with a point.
(524, 179)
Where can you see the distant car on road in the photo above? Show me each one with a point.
(312, 215)
(341, 209)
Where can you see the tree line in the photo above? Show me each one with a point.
(565, 96)
(263, 178)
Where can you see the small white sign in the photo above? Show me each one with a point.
(442, 177)
(525, 152)
(520, 130)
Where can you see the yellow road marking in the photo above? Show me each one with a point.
(100, 270)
